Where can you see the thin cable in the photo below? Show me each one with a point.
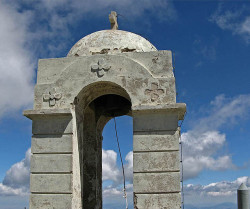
(182, 170)
(180, 141)
(182, 187)
(123, 173)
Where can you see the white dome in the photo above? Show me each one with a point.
(110, 42)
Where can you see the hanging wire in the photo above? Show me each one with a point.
(182, 170)
(123, 173)
(180, 142)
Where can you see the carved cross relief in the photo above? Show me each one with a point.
(52, 97)
(100, 68)
(154, 92)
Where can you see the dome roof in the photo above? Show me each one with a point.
(110, 42)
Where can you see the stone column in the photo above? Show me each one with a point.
(156, 178)
(51, 159)
(91, 162)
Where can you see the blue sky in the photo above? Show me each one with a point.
(211, 43)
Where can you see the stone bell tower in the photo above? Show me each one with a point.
(106, 74)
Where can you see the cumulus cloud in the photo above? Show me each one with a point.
(110, 169)
(51, 21)
(16, 65)
(16, 180)
(203, 144)
(238, 21)
(199, 150)
(224, 191)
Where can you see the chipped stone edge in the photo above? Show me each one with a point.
(179, 108)
(31, 114)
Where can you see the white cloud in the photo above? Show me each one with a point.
(235, 21)
(199, 150)
(214, 193)
(203, 144)
(16, 180)
(16, 65)
(218, 192)
(129, 167)
(111, 192)
(110, 169)
(9, 191)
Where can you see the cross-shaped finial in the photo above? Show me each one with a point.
(101, 65)
(113, 20)
(154, 92)
(51, 97)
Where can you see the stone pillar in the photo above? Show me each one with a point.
(51, 159)
(156, 168)
(92, 162)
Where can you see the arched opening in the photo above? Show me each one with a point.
(93, 111)
(112, 175)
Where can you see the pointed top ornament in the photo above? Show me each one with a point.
(113, 20)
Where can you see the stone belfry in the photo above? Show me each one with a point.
(106, 74)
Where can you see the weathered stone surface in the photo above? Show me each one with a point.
(51, 163)
(155, 122)
(159, 63)
(156, 161)
(70, 99)
(50, 201)
(110, 42)
(156, 141)
(50, 183)
(52, 125)
(135, 82)
(158, 201)
(51, 144)
(156, 182)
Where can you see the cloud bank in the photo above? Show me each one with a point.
(16, 64)
(214, 193)
(203, 144)
(16, 180)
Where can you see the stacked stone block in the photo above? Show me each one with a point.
(156, 165)
(51, 160)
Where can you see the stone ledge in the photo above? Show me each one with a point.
(31, 114)
(179, 108)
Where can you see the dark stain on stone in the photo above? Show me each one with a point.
(135, 201)
(127, 50)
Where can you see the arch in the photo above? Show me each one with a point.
(97, 89)
(95, 105)
(67, 107)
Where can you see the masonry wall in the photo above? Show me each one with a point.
(156, 167)
(51, 162)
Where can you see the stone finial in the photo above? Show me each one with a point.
(113, 20)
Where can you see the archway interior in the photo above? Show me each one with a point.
(112, 177)
(90, 126)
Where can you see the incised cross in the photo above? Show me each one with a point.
(100, 68)
(154, 92)
(52, 96)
